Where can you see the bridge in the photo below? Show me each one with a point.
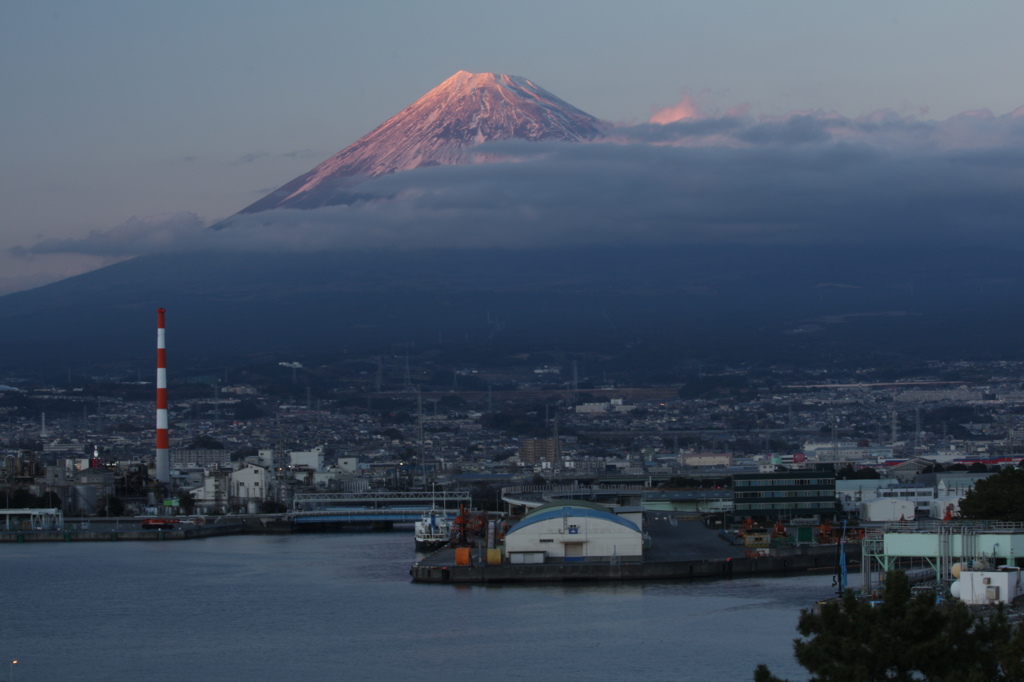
(382, 515)
(420, 500)
(385, 508)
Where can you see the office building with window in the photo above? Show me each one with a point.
(785, 494)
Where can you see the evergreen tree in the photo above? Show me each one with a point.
(905, 638)
(187, 502)
(996, 498)
(848, 473)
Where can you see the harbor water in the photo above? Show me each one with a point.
(341, 606)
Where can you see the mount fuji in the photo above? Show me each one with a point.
(726, 302)
(441, 128)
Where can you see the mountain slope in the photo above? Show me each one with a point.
(728, 303)
(439, 128)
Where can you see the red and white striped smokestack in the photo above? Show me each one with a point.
(163, 457)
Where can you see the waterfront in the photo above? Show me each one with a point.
(318, 607)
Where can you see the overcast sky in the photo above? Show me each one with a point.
(116, 112)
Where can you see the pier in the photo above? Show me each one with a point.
(682, 547)
(443, 570)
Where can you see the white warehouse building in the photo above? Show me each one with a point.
(572, 531)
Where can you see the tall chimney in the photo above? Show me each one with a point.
(163, 457)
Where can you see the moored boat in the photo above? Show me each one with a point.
(433, 531)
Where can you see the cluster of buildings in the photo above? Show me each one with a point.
(261, 482)
(770, 429)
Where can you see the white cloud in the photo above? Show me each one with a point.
(800, 178)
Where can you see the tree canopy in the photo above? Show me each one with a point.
(187, 502)
(996, 498)
(907, 637)
(205, 442)
(849, 473)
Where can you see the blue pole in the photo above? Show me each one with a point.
(842, 561)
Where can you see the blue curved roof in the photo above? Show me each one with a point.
(575, 511)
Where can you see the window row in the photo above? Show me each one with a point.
(785, 493)
(767, 482)
(797, 505)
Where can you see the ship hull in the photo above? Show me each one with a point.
(429, 545)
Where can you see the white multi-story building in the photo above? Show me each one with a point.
(348, 465)
(705, 459)
(200, 458)
(249, 484)
(212, 494)
(847, 452)
(312, 460)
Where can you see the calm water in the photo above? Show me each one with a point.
(330, 607)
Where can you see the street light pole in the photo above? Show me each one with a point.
(12, 670)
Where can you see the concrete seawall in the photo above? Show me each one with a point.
(823, 558)
(128, 528)
(119, 535)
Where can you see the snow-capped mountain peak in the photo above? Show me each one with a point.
(439, 128)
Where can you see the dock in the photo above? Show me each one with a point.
(682, 547)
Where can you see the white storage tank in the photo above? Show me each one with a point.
(887, 509)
